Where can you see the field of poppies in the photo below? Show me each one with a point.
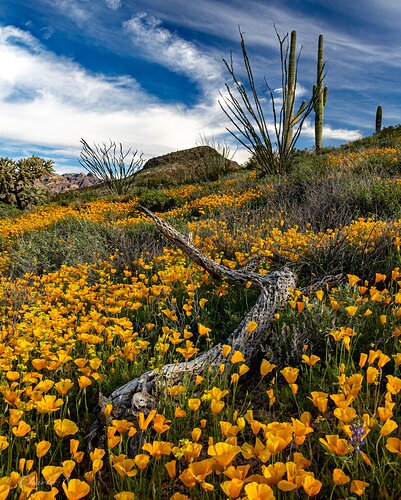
(318, 415)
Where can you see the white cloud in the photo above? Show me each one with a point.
(113, 4)
(33, 71)
(341, 134)
(52, 102)
(300, 91)
(72, 9)
(46, 32)
(354, 56)
(330, 133)
(169, 50)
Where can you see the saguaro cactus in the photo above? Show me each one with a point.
(379, 115)
(289, 87)
(245, 111)
(320, 93)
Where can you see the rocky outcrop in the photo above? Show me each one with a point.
(56, 183)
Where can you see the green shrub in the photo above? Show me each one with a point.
(158, 201)
(83, 195)
(375, 196)
(309, 165)
(73, 241)
(7, 211)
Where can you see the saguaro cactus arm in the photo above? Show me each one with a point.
(379, 115)
(320, 93)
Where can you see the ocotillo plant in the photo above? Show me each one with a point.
(289, 88)
(245, 110)
(379, 115)
(320, 94)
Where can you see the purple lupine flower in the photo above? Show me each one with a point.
(356, 439)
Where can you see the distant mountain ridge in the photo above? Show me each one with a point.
(61, 183)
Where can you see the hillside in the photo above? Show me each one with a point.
(301, 398)
(188, 165)
(198, 164)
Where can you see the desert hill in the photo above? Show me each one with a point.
(187, 165)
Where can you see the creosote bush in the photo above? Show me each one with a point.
(158, 200)
(73, 242)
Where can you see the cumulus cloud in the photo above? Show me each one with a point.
(330, 133)
(341, 134)
(34, 71)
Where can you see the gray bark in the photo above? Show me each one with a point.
(141, 394)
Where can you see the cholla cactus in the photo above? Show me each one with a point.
(18, 180)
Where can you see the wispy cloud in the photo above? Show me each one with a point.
(114, 4)
(353, 55)
(73, 9)
(166, 48)
(46, 32)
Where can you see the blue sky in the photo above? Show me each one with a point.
(148, 73)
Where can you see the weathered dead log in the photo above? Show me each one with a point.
(140, 394)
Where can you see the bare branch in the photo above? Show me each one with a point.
(142, 393)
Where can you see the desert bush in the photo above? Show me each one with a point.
(157, 200)
(375, 196)
(340, 257)
(308, 202)
(315, 195)
(72, 241)
(216, 164)
(82, 195)
(7, 211)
